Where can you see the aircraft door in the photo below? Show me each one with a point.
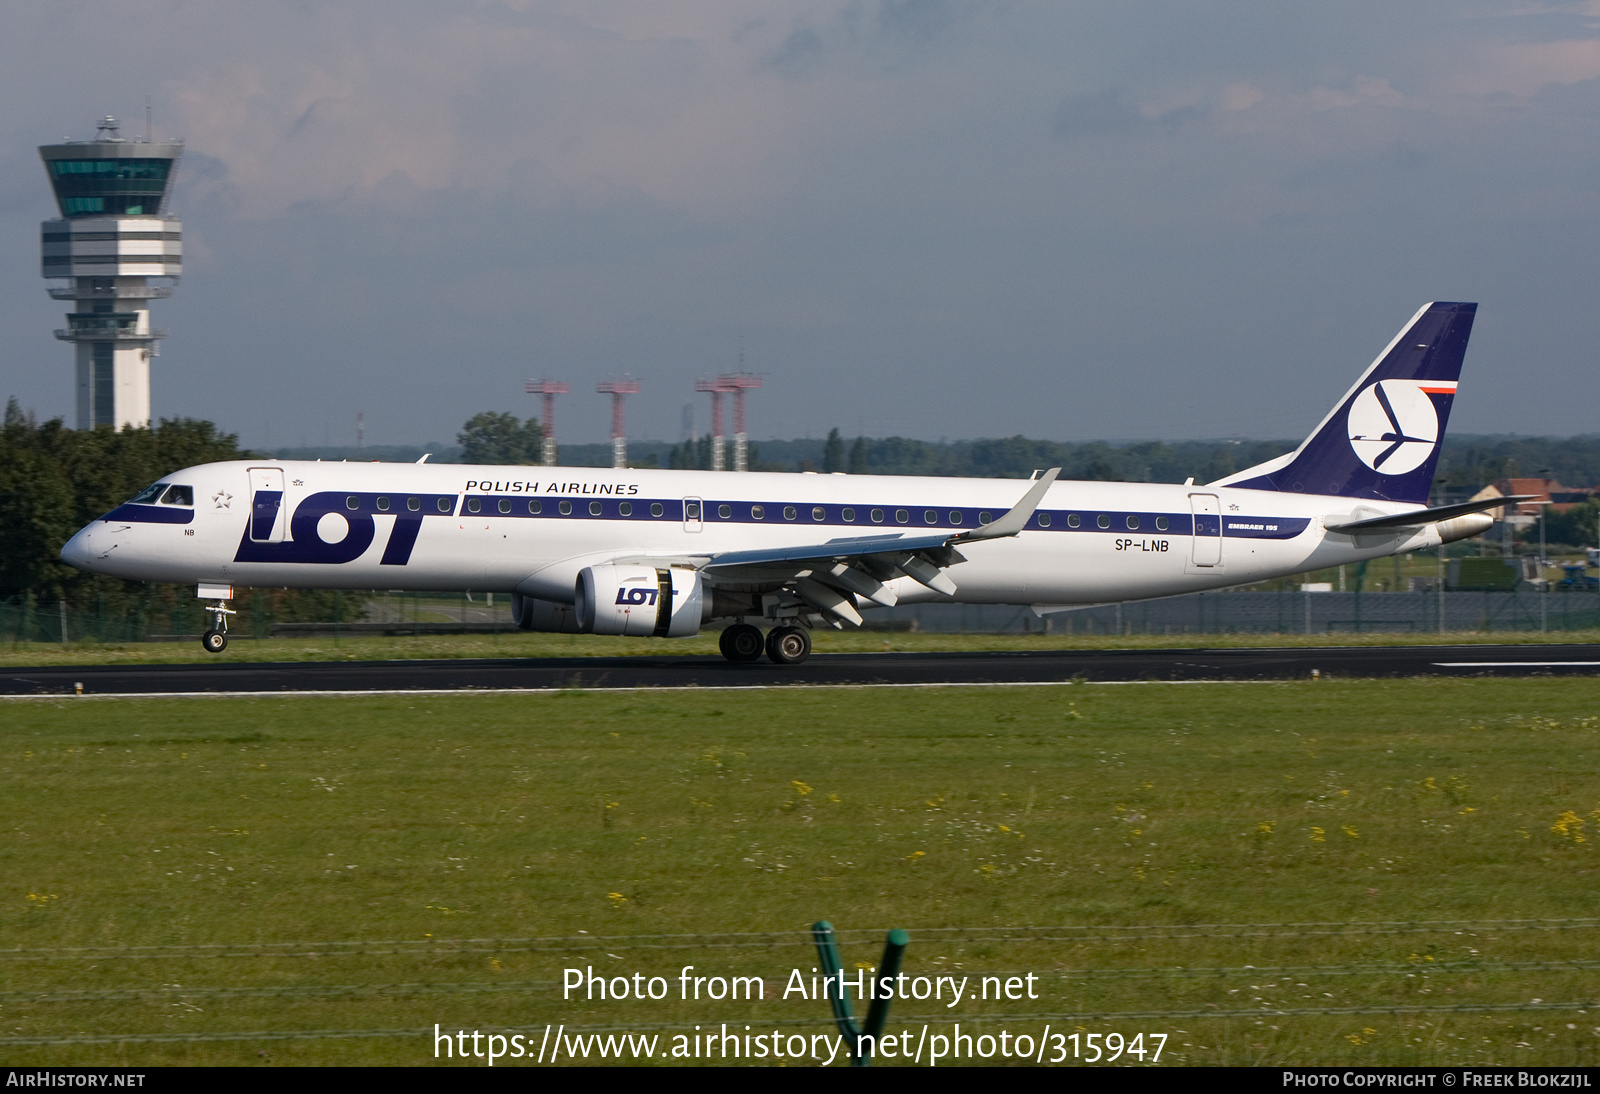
(266, 505)
(1207, 552)
(693, 514)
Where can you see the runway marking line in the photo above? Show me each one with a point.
(1514, 664)
(285, 694)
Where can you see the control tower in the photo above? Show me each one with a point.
(113, 236)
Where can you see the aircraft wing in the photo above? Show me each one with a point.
(1428, 516)
(827, 575)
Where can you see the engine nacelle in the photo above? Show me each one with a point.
(638, 600)
(1473, 524)
(533, 614)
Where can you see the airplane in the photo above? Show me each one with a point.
(665, 553)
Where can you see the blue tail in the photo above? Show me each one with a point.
(1382, 439)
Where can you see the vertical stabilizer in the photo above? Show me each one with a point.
(1381, 441)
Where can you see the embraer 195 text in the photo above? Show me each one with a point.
(664, 553)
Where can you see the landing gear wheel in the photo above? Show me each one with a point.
(214, 641)
(788, 645)
(741, 642)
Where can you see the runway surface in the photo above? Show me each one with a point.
(1033, 667)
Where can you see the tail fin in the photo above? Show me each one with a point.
(1382, 439)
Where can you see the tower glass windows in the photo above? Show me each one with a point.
(105, 385)
(115, 187)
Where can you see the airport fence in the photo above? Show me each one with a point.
(1281, 612)
(1287, 612)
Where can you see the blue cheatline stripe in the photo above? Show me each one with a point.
(1119, 522)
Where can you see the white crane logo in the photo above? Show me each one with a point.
(1393, 426)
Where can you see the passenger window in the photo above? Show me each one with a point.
(725, 511)
(955, 517)
(1161, 524)
(446, 504)
(353, 502)
(655, 509)
(473, 505)
(877, 516)
(848, 515)
(819, 513)
(505, 505)
(534, 507)
(413, 504)
(383, 505)
(566, 508)
(985, 518)
(625, 508)
(178, 495)
(789, 512)
(901, 515)
(594, 509)
(930, 517)
(691, 510)
(1044, 520)
(1073, 520)
(757, 512)
(1133, 523)
(1103, 521)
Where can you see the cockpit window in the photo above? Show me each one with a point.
(149, 494)
(178, 495)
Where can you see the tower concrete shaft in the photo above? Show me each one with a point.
(547, 425)
(739, 383)
(618, 389)
(112, 237)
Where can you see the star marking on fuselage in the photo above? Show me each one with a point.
(222, 498)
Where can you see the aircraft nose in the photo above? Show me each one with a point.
(77, 550)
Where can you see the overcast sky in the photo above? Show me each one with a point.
(936, 218)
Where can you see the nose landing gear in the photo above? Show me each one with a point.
(215, 640)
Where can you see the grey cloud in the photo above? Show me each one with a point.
(797, 56)
(918, 20)
(1114, 111)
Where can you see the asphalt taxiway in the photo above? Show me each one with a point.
(1031, 667)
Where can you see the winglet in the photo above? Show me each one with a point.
(1015, 520)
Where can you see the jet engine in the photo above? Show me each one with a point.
(533, 614)
(638, 600)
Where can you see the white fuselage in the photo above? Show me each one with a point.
(531, 530)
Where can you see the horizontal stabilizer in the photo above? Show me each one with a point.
(1428, 516)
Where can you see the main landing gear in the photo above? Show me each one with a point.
(742, 643)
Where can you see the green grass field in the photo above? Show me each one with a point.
(518, 644)
(326, 865)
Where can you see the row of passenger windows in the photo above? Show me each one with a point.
(757, 512)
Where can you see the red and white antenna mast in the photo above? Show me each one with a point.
(739, 383)
(716, 389)
(549, 389)
(618, 389)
